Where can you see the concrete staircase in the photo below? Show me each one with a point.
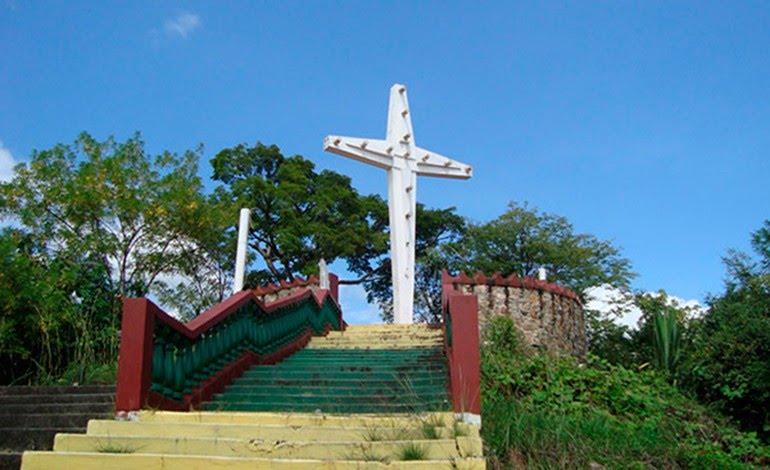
(369, 397)
(31, 416)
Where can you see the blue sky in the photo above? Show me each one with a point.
(647, 123)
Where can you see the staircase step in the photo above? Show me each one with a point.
(100, 461)
(276, 390)
(59, 390)
(18, 439)
(255, 382)
(363, 367)
(10, 460)
(436, 449)
(56, 398)
(304, 419)
(66, 408)
(332, 398)
(356, 345)
(387, 408)
(232, 431)
(403, 378)
(49, 420)
(363, 355)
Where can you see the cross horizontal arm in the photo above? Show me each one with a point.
(434, 164)
(371, 151)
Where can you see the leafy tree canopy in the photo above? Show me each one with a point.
(133, 213)
(298, 215)
(523, 239)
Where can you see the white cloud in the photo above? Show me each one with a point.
(182, 25)
(619, 306)
(7, 162)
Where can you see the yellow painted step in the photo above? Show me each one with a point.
(232, 431)
(312, 345)
(100, 461)
(366, 421)
(393, 327)
(437, 449)
(380, 338)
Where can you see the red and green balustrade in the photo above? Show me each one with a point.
(167, 364)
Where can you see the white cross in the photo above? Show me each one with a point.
(404, 161)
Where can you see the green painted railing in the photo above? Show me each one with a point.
(166, 364)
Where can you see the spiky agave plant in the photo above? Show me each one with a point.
(667, 338)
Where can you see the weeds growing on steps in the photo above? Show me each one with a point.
(413, 451)
(112, 448)
(367, 454)
(430, 425)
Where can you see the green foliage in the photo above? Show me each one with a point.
(729, 366)
(660, 339)
(552, 412)
(53, 311)
(666, 340)
(611, 341)
(523, 239)
(298, 215)
(412, 451)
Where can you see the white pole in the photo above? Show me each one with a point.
(323, 274)
(541, 274)
(240, 255)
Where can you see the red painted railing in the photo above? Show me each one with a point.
(143, 321)
(461, 343)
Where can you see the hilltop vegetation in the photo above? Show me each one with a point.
(542, 411)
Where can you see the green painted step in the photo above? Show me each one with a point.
(328, 407)
(339, 381)
(273, 390)
(331, 395)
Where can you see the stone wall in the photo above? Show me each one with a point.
(549, 316)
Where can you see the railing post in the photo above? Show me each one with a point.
(334, 287)
(135, 359)
(465, 375)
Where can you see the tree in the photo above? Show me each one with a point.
(729, 365)
(524, 239)
(134, 214)
(298, 215)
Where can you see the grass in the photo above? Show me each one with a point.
(110, 448)
(413, 451)
(393, 430)
(458, 429)
(430, 426)
(374, 434)
(367, 454)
